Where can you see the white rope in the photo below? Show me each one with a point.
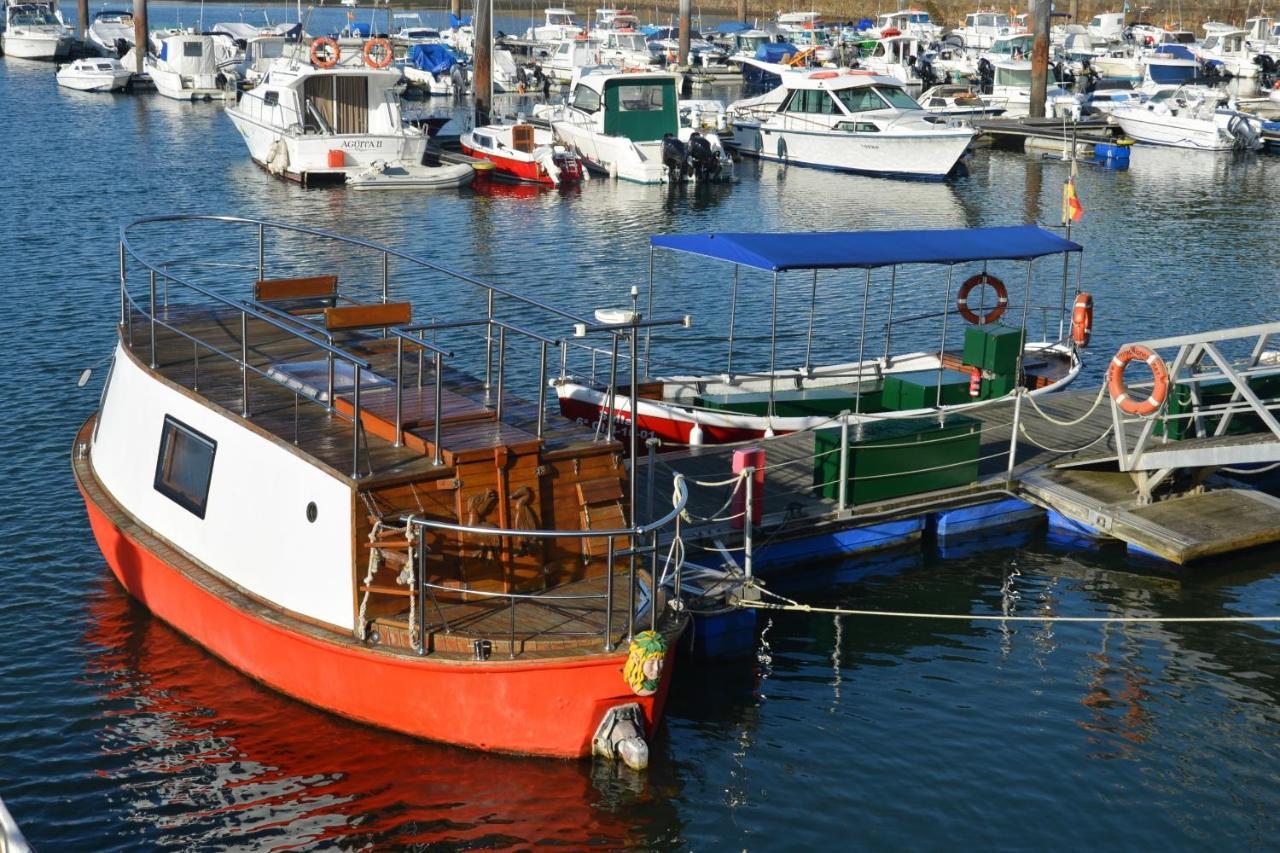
(1247, 471)
(1051, 419)
(1023, 429)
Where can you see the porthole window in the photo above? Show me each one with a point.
(185, 466)
(312, 511)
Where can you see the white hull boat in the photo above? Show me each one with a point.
(848, 122)
(94, 75)
(186, 69)
(383, 176)
(111, 30)
(34, 31)
(1187, 119)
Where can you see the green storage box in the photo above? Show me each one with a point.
(892, 457)
(825, 402)
(993, 347)
(905, 392)
(1214, 394)
(998, 386)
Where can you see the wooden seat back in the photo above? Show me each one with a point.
(522, 138)
(318, 287)
(377, 315)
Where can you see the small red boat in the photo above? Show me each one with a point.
(299, 483)
(526, 153)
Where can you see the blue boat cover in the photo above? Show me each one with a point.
(361, 29)
(432, 58)
(1175, 51)
(776, 51)
(456, 22)
(833, 250)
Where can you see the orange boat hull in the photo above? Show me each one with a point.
(540, 707)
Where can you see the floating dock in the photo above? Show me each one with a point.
(1016, 133)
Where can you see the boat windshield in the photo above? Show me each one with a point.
(35, 18)
(640, 98)
(1019, 78)
(629, 41)
(897, 98)
(860, 100)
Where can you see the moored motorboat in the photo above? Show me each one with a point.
(112, 31)
(34, 31)
(976, 359)
(406, 176)
(101, 74)
(1191, 117)
(187, 68)
(850, 121)
(403, 553)
(524, 152)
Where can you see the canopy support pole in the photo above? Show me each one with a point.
(1026, 306)
(888, 326)
(1062, 306)
(773, 345)
(942, 346)
(813, 307)
(648, 332)
(862, 348)
(733, 313)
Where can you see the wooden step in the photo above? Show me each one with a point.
(470, 441)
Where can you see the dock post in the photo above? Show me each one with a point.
(748, 520)
(141, 34)
(455, 8)
(482, 81)
(686, 25)
(82, 18)
(1040, 58)
(437, 457)
(843, 487)
(355, 425)
(742, 12)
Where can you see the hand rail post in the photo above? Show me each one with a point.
(437, 458)
(842, 489)
(153, 319)
(654, 586)
(488, 345)
(542, 388)
(329, 398)
(261, 252)
(386, 275)
(1013, 436)
(613, 388)
(421, 591)
(608, 599)
(747, 520)
(244, 365)
(511, 643)
(399, 391)
(502, 369)
(124, 300)
(355, 424)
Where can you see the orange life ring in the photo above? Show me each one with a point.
(890, 32)
(387, 56)
(1120, 392)
(962, 299)
(1082, 319)
(331, 58)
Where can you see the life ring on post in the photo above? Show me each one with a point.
(962, 299)
(383, 58)
(1082, 320)
(330, 57)
(1120, 392)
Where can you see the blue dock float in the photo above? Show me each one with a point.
(839, 543)
(986, 516)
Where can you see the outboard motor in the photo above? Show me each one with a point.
(706, 163)
(674, 157)
(986, 76)
(1268, 70)
(1244, 133)
(928, 75)
(122, 47)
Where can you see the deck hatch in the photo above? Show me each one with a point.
(185, 466)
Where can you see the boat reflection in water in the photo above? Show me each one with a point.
(206, 758)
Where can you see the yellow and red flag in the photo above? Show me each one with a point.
(1072, 209)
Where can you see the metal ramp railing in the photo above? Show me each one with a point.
(1207, 373)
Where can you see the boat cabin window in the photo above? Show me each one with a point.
(641, 109)
(192, 48)
(586, 99)
(642, 98)
(102, 67)
(185, 466)
(270, 99)
(897, 98)
(860, 100)
(811, 101)
(628, 41)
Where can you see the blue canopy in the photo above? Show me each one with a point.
(776, 51)
(1176, 51)
(361, 29)
(865, 249)
(432, 58)
(456, 22)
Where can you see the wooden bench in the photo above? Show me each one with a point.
(379, 315)
(308, 295)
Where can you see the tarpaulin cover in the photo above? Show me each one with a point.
(776, 51)
(732, 27)
(847, 249)
(432, 58)
(1175, 51)
(456, 22)
(361, 29)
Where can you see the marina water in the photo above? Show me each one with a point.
(116, 733)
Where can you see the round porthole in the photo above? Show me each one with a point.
(312, 512)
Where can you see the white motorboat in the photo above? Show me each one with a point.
(849, 121)
(624, 48)
(523, 152)
(94, 74)
(310, 123)
(381, 175)
(912, 22)
(34, 31)
(981, 28)
(1231, 51)
(1191, 117)
(558, 23)
(895, 56)
(1108, 26)
(956, 101)
(186, 69)
(1118, 64)
(259, 53)
(1011, 89)
(569, 56)
(111, 31)
(627, 125)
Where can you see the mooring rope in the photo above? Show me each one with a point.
(1102, 389)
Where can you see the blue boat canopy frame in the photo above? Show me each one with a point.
(869, 249)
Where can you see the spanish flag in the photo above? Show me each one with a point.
(1072, 209)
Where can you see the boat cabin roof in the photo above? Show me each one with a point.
(832, 80)
(601, 76)
(869, 249)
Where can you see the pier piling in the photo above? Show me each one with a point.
(482, 82)
(141, 34)
(1040, 57)
(82, 18)
(685, 28)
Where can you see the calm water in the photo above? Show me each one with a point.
(115, 733)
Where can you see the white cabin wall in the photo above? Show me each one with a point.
(255, 530)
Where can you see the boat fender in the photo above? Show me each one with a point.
(646, 656)
(1120, 392)
(325, 52)
(962, 299)
(695, 435)
(1082, 320)
(377, 53)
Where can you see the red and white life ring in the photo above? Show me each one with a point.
(1120, 392)
(962, 299)
(1082, 320)
(329, 58)
(383, 57)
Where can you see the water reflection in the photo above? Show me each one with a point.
(202, 757)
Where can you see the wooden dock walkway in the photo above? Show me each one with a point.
(1190, 526)
(1014, 132)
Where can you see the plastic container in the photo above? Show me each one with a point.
(337, 158)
